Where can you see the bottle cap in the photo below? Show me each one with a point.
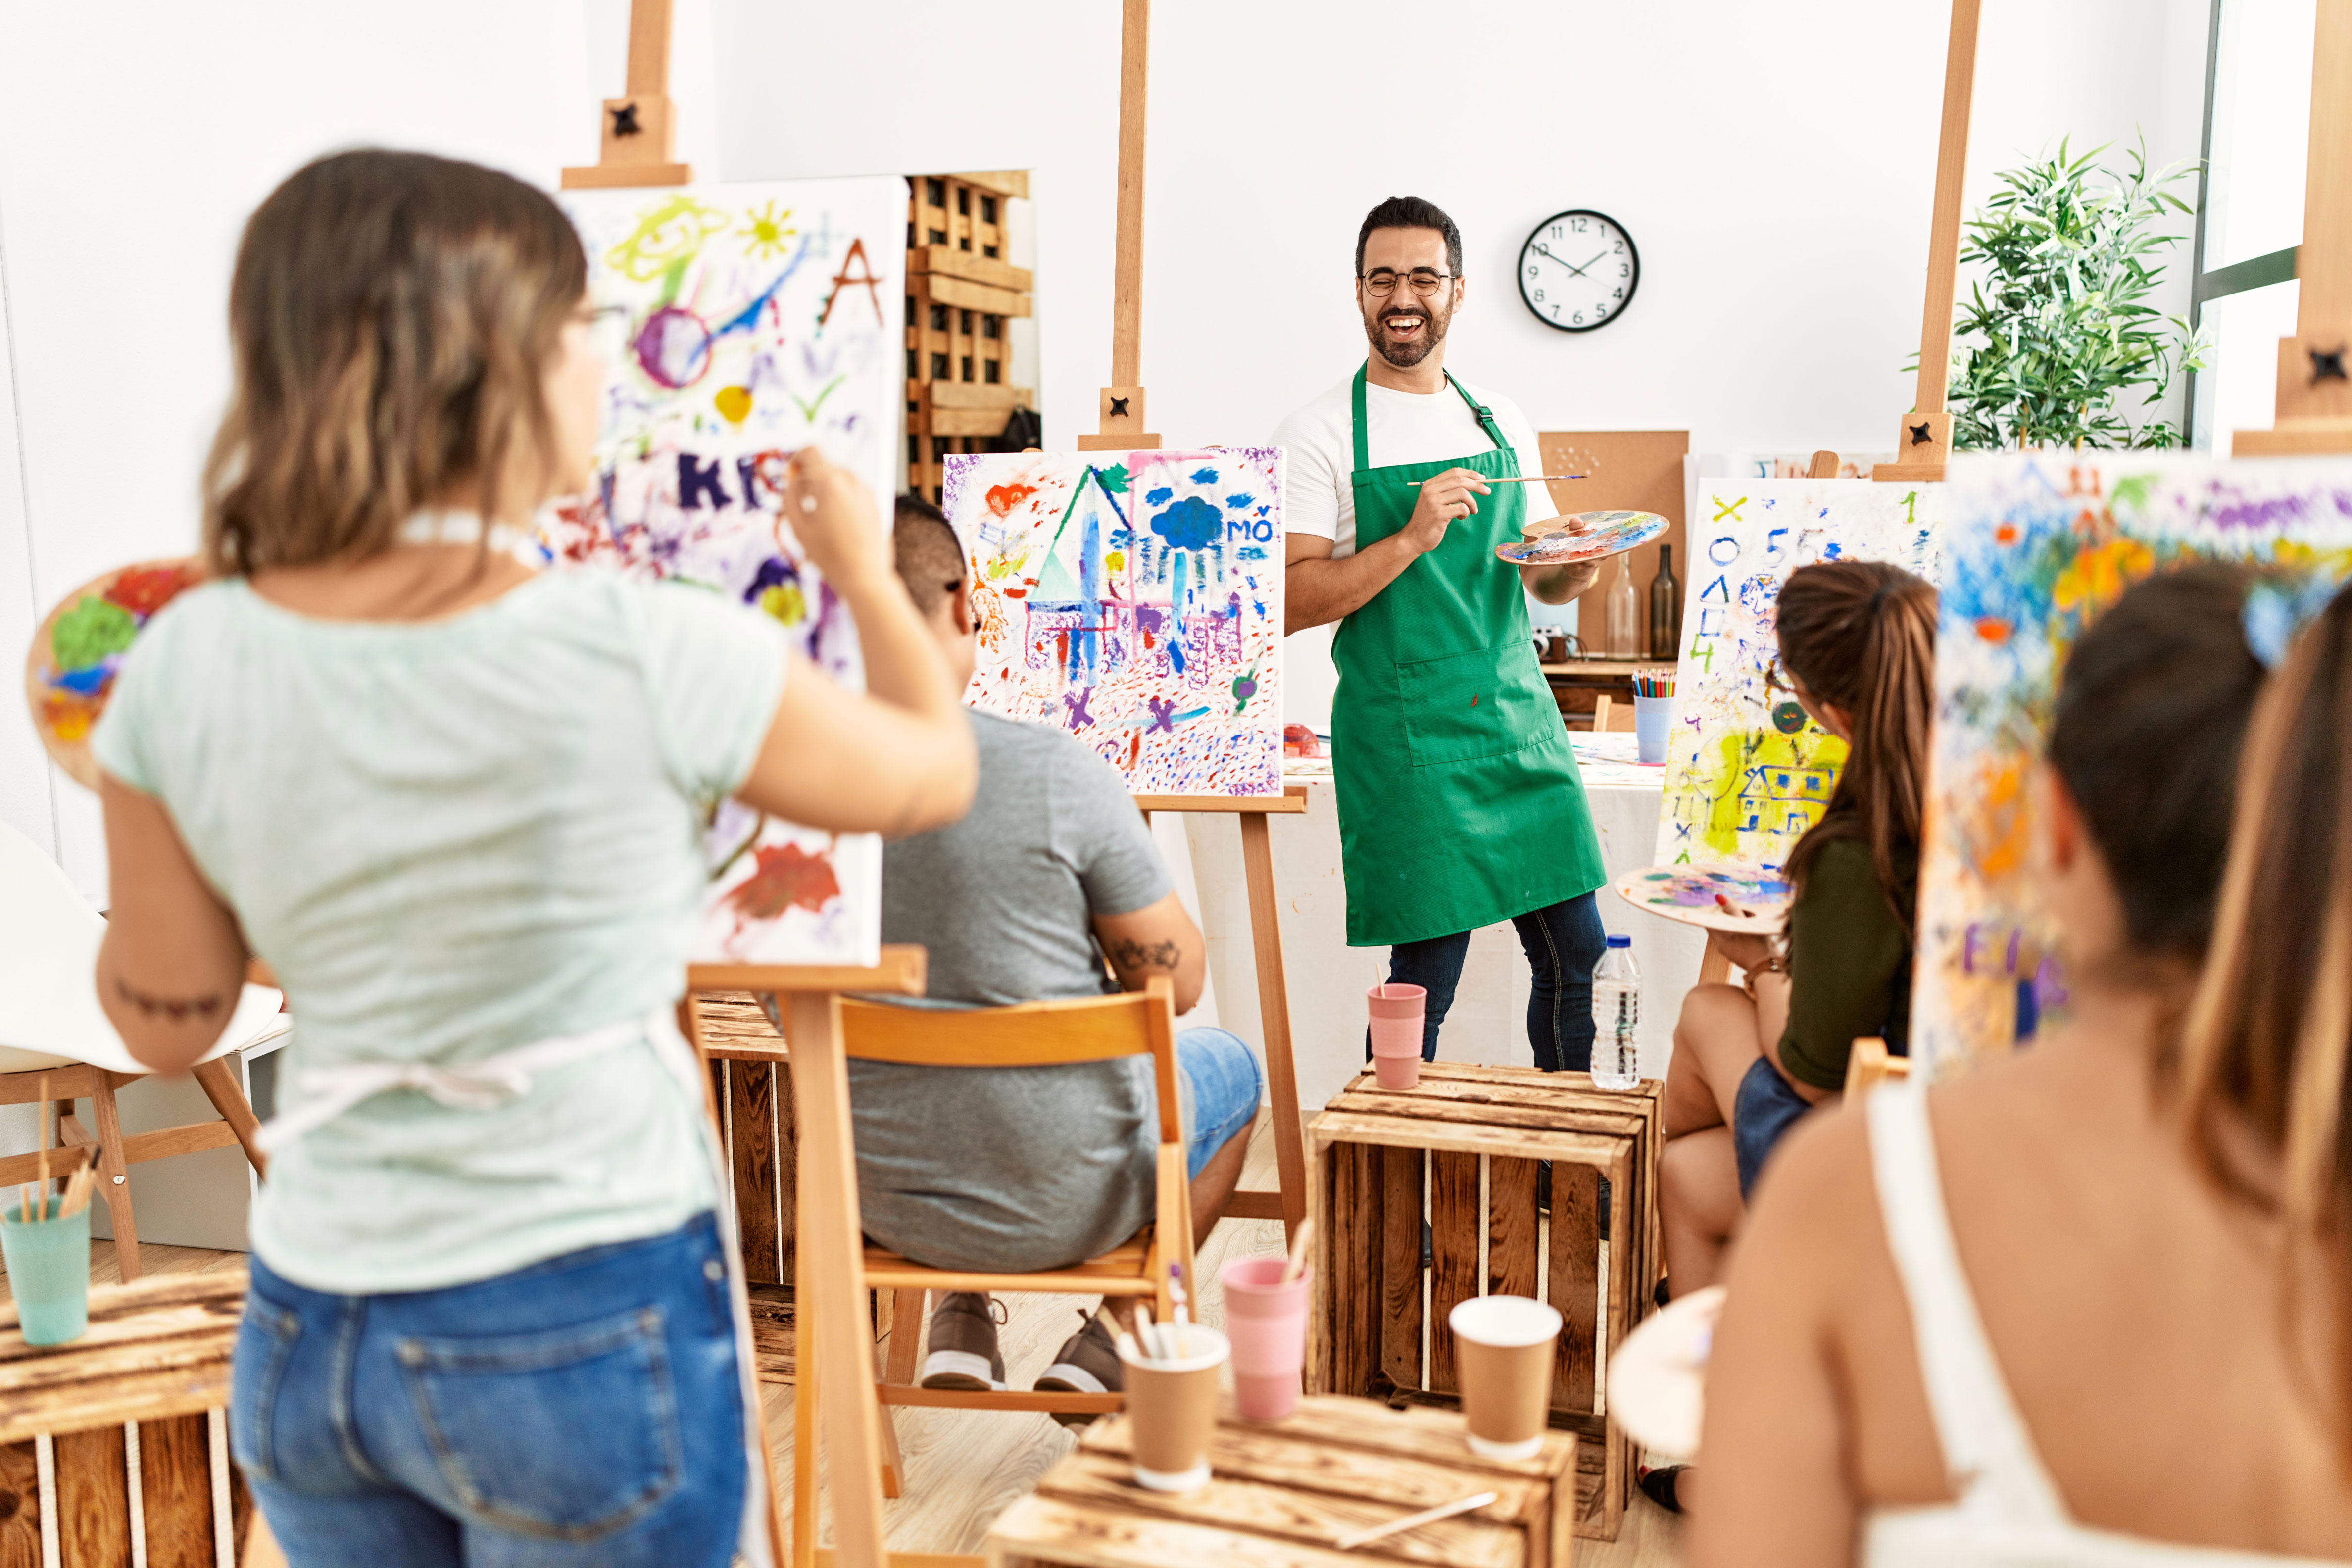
(1620, 941)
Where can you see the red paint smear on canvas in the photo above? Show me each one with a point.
(786, 876)
(1003, 499)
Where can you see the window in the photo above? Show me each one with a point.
(914, 446)
(963, 203)
(967, 323)
(939, 318)
(938, 367)
(967, 367)
(994, 369)
(935, 236)
(991, 326)
(988, 251)
(988, 209)
(911, 363)
(935, 192)
(963, 244)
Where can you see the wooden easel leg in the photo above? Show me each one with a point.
(805, 1393)
(832, 1281)
(114, 1177)
(219, 1084)
(1274, 1019)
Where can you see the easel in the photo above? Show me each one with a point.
(1120, 428)
(829, 1274)
(2314, 372)
(1923, 443)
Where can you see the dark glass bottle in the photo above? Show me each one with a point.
(1666, 608)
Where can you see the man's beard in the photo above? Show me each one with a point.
(1404, 356)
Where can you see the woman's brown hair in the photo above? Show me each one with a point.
(1861, 636)
(390, 316)
(2262, 1065)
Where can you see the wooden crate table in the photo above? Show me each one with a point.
(1461, 1151)
(150, 1378)
(1282, 1492)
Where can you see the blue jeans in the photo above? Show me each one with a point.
(583, 1410)
(1221, 1086)
(1562, 943)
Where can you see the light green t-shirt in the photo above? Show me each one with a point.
(448, 839)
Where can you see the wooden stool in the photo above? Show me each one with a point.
(1284, 1491)
(153, 1371)
(1460, 1152)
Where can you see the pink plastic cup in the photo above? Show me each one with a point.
(1397, 1012)
(1267, 1321)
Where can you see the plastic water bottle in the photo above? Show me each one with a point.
(1616, 1017)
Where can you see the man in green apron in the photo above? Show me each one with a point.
(1459, 800)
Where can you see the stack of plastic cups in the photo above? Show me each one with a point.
(1397, 1012)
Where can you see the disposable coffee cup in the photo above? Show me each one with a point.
(1266, 1321)
(1396, 1014)
(1652, 718)
(1171, 1406)
(49, 1271)
(1503, 1358)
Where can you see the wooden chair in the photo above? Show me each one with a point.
(1035, 1033)
(53, 1032)
(1868, 1064)
(1607, 714)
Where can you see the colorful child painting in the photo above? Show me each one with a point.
(1135, 600)
(2039, 547)
(741, 323)
(1746, 772)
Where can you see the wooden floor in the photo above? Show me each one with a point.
(963, 1468)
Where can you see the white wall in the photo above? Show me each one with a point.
(1773, 163)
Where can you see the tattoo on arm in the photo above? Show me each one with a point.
(1129, 954)
(176, 1009)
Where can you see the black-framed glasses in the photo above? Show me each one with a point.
(1381, 282)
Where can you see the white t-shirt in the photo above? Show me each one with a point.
(1319, 441)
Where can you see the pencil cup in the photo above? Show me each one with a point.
(49, 1271)
(1652, 717)
(1503, 1356)
(1397, 1012)
(1172, 1408)
(1267, 1321)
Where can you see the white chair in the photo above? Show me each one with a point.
(52, 1029)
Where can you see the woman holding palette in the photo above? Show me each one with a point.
(457, 805)
(1857, 649)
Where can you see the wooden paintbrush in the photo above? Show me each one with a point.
(1297, 1263)
(1413, 1521)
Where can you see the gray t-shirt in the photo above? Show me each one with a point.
(1013, 1168)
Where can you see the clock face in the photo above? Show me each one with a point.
(1578, 270)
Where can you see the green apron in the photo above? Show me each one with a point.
(1459, 800)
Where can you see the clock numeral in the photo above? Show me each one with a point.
(1577, 224)
(1555, 312)
(1623, 271)
(1533, 273)
(1539, 296)
(1556, 232)
(1616, 293)
(1621, 247)
(1600, 312)
(1576, 319)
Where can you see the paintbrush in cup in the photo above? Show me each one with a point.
(1297, 1265)
(45, 1111)
(1350, 1541)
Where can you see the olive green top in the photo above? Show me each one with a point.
(1849, 964)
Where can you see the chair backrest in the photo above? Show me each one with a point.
(1607, 714)
(1030, 1034)
(1868, 1064)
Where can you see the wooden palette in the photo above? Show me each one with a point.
(1688, 893)
(1585, 536)
(69, 670)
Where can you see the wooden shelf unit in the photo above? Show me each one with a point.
(962, 297)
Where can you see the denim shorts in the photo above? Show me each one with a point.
(1221, 1086)
(1762, 1114)
(585, 1410)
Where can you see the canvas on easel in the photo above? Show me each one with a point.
(739, 324)
(1134, 601)
(1746, 771)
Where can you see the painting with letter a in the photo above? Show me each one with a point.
(1746, 772)
(2040, 546)
(739, 324)
(1135, 600)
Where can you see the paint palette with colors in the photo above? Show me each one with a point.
(1689, 894)
(70, 671)
(1585, 536)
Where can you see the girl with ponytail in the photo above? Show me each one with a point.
(1857, 650)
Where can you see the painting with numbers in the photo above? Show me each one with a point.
(1746, 772)
(1135, 600)
(2039, 547)
(739, 324)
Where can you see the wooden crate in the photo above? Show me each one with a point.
(962, 296)
(1461, 1151)
(1282, 1492)
(150, 1379)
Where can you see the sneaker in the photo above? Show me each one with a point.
(1087, 1362)
(963, 1353)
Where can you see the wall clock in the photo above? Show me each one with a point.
(1578, 270)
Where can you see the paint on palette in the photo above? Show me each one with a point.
(1689, 894)
(1746, 772)
(1135, 600)
(70, 671)
(2039, 548)
(1604, 533)
(739, 324)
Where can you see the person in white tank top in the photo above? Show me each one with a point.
(2044, 1314)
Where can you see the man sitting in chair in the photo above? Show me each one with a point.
(1026, 1169)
